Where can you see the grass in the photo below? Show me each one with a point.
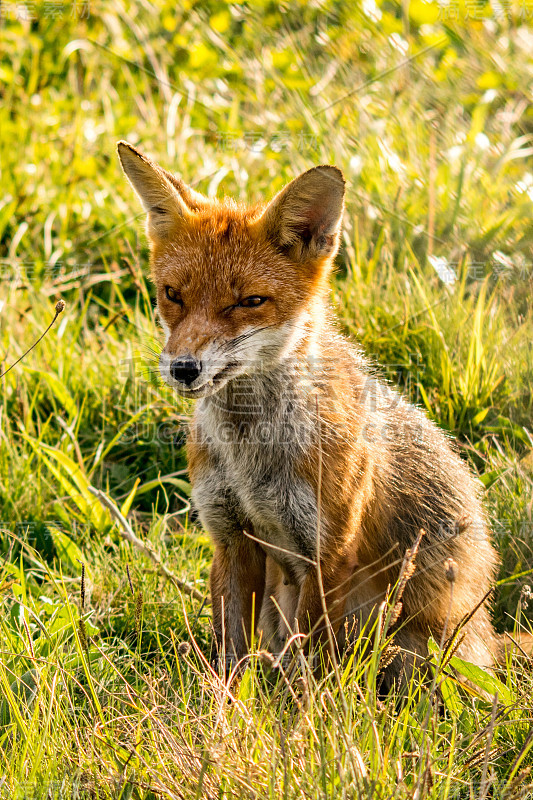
(105, 690)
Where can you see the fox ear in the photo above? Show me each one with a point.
(304, 219)
(165, 198)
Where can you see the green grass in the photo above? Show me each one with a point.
(105, 691)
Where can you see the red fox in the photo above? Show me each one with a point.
(312, 476)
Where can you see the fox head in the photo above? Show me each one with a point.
(238, 288)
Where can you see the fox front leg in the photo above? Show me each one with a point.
(237, 578)
(314, 595)
(237, 583)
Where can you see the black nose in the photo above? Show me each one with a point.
(185, 370)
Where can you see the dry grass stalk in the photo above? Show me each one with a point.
(127, 533)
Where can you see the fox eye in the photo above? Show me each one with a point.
(173, 295)
(252, 302)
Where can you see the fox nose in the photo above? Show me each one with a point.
(186, 369)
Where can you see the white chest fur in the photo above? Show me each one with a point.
(256, 434)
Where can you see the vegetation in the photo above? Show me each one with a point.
(105, 687)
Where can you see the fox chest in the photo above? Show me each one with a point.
(253, 484)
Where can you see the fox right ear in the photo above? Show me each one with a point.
(305, 218)
(166, 199)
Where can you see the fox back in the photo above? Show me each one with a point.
(313, 477)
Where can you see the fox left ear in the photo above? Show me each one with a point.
(167, 200)
(305, 218)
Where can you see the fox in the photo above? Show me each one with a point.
(311, 473)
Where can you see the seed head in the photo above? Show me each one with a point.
(129, 580)
(82, 631)
(184, 649)
(451, 570)
(396, 611)
(265, 658)
(138, 610)
(82, 586)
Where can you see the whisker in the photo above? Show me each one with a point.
(245, 336)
